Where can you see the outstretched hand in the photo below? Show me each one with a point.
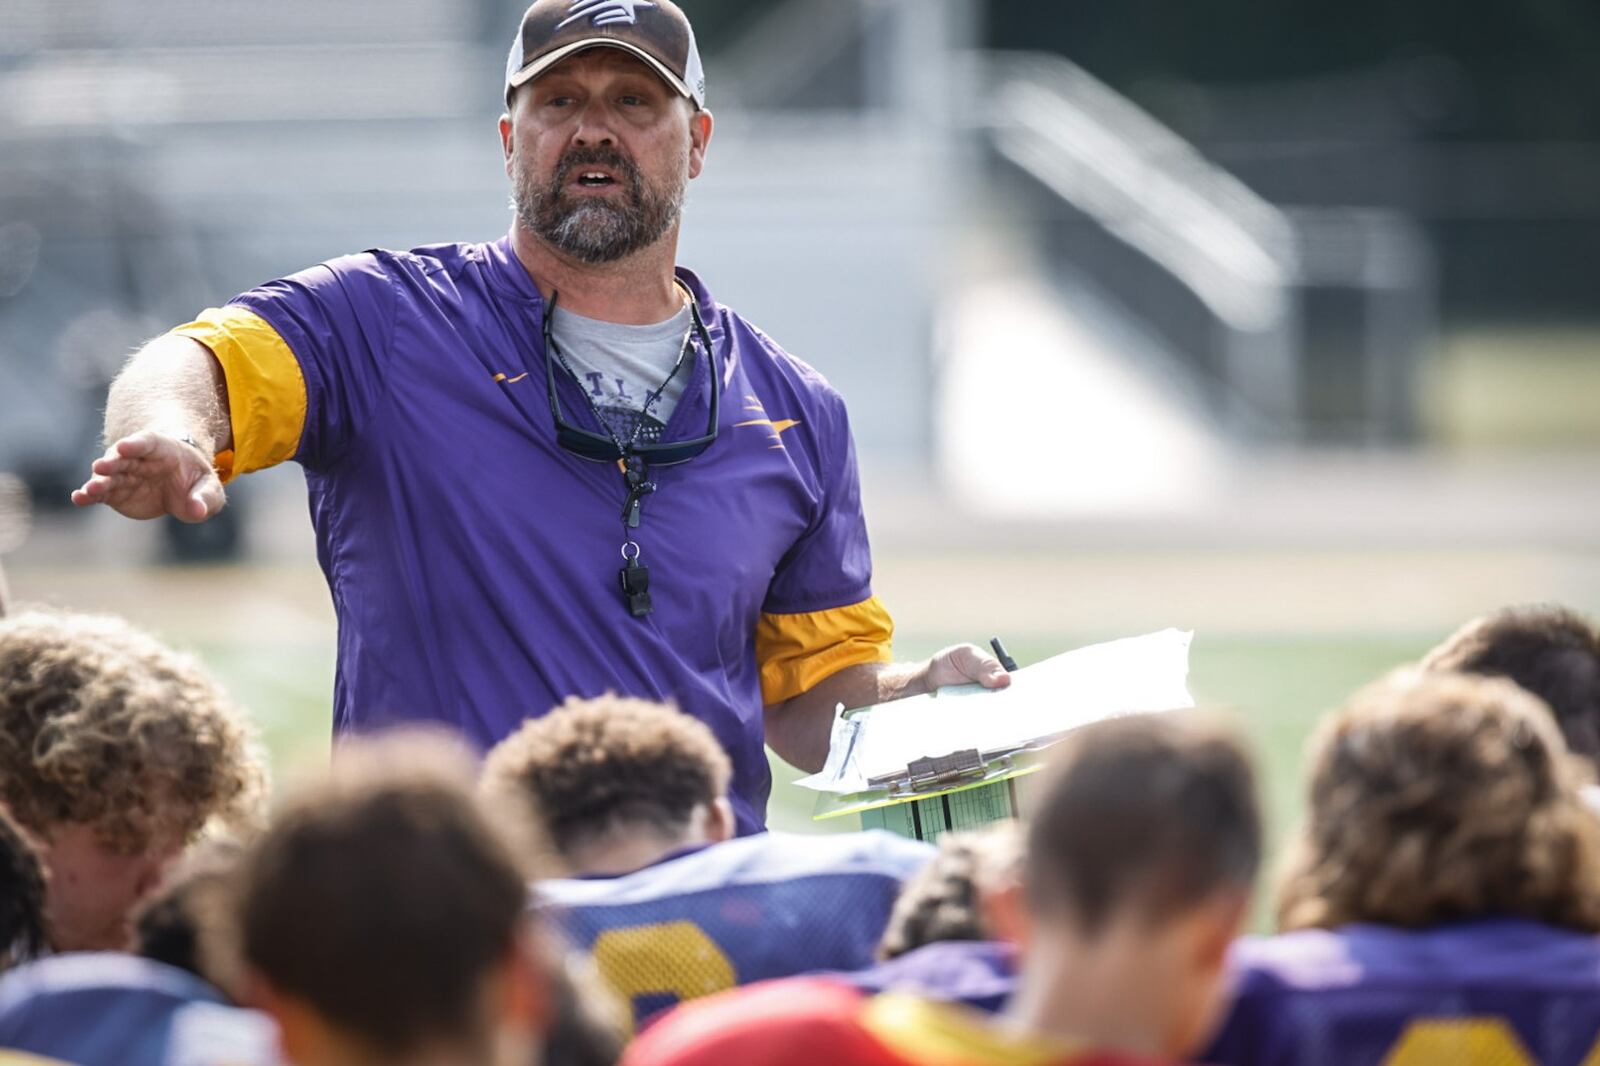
(151, 474)
(964, 664)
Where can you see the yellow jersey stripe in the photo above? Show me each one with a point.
(266, 387)
(948, 1034)
(795, 651)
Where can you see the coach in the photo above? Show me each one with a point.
(551, 465)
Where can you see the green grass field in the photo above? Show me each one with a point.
(1276, 688)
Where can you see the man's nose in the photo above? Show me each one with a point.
(594, 127)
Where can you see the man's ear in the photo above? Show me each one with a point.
(700, 126)
(1219, 923)
(301, 1033)
(1004, 909)
(529, 1000)
(505, 140)
(720, 822)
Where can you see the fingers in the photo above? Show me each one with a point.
(122, 460)
(138, 446)
(121, 493)
(192, 509)
(984, 668)
(205, 499)
(92, 492)
(112, 479)
(964, 664)
(110, 466)
(148, 474)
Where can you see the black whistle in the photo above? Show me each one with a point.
(635, 581)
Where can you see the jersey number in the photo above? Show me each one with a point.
(1482, 1041)
(665, 961)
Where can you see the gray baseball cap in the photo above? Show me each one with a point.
(656, 31)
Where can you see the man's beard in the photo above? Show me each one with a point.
(596, 229)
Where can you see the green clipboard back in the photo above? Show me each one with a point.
(929, 819)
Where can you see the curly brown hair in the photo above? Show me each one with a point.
(1551, 651)
(592, 765)
(943, 900)
(1436, 797)
(103, 725)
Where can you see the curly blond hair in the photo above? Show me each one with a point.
(1436, 797)
(591, 765)
(103, 725)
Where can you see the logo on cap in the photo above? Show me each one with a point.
(605, 12)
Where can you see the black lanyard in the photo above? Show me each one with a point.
(630, 457)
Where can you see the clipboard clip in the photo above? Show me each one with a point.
(932, 772)
(929, 774)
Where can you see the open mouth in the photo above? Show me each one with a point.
(595, 179)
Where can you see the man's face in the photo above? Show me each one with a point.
(599, 150)
(93, 889)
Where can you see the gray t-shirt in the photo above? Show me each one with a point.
(620, 366)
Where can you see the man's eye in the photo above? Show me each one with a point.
(558, 101)
(632, 101)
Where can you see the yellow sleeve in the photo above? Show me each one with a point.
(266, 388)
(795, 651)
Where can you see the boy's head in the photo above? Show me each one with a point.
(382, 915)
(1141, 853)
(22, 883)
(115, 752)
(1551, 651)
(1436, 797)
(948, 899)
(588, 1024)
(185, 922)
(617, 783)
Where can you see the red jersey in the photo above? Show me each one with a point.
(806, 1020)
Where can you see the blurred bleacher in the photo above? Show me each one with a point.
(875, 180)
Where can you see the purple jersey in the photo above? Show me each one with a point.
(474, 562)
(733, 913)
(978, 973)
(1505, 991)
(108, 1009)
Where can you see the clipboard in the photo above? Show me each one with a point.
(936, 795)
(880, 766)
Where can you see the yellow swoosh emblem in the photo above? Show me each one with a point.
(777, 427)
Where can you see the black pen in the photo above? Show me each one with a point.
(1006, 660)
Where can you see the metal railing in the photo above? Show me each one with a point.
(1238, 286)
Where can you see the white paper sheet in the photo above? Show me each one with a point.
(1148, 673)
